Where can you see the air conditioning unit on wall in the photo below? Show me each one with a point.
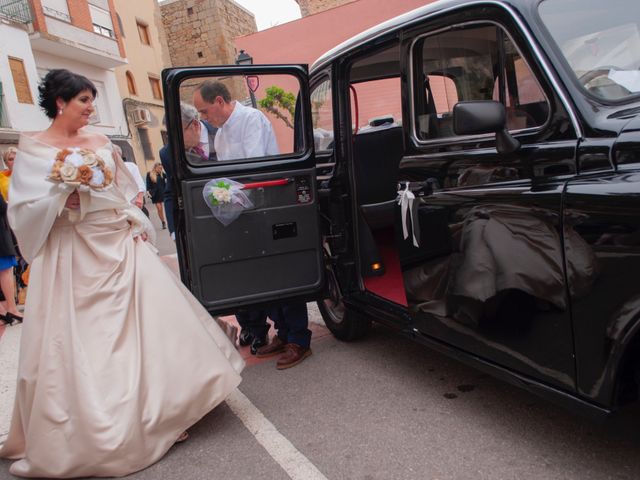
(141, 116)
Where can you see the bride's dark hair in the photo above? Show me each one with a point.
(61, 83)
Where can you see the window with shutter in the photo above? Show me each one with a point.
(156, 89)
(102, 23)
(20, 80)
(143, 31)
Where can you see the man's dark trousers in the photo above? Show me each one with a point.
(253, 321)
(292, 323)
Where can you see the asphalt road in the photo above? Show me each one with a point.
(387, 408)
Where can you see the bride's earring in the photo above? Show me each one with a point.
(60, 112)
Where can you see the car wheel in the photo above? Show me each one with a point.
(343, 323)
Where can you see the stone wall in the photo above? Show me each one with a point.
(201, 32)
(309, 7)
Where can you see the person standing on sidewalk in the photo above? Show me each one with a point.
(195, 133)
(8, 157)
(117, 357)
(245, 132)
(138, 200)
(12, 266)
(8, 309)
(156, 183)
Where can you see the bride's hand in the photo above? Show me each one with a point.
(143, 236)
(73, 201)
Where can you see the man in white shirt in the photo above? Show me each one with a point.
(138, 200)
(245, 132)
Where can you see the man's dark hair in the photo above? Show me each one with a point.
(61, 83)
(210, 89)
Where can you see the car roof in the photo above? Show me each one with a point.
(405, 20)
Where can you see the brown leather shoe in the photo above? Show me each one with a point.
(275, 347)
(293, 355)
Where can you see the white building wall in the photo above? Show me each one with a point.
(21, 116)
(80, 37)
(108, 102)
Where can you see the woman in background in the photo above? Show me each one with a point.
(8, 309)
(156, 183)
(5, 176)
(8, 261)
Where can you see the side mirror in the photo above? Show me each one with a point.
(484, 116)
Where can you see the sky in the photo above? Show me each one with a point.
(270, 13)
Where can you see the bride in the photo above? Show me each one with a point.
(117, 358)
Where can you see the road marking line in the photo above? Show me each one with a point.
(292, 461)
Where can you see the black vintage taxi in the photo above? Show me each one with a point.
(468, 173)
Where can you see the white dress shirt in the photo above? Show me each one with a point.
(133, 168)
(247, 133)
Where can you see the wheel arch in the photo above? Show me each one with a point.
(624, 363)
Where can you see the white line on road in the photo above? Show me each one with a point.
(294, 463)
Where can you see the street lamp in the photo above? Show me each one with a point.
(245, 59)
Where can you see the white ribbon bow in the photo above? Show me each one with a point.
(406, 200)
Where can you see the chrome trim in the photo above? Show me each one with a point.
(548, 70)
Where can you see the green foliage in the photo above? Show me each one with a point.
(277, 102)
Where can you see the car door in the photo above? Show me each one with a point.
(271, 251)
(488, 276)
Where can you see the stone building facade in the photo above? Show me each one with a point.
(139, 80)
(309, 7)
(201, 32)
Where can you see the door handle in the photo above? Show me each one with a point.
(266, 183)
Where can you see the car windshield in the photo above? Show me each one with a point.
(600, 39)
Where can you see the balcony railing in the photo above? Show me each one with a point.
(15, 10)
(52, 12)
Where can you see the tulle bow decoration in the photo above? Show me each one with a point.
(409, 214)
(225, 199)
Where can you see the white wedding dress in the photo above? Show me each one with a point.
(117, 358)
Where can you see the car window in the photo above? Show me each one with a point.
(322, 116)
(600, 41)
(236, 117)
(465, 65)
(376, 104)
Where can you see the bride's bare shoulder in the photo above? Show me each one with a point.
(90, 140)
(34, 135)
(95, 140)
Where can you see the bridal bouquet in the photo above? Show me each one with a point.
(82, 168)
(225, 199)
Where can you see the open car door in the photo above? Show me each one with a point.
(272, 251)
